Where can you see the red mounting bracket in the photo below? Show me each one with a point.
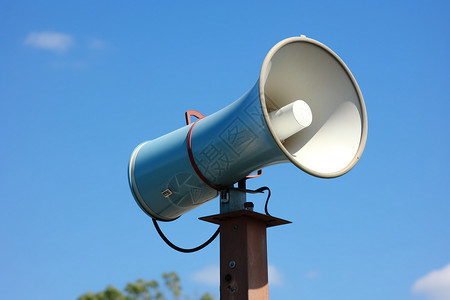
(259, 173)
(194, 113)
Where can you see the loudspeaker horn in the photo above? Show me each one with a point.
(306, 108)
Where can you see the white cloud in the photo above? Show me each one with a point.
(54, 41)
(312, 274)
(275, 276)
(435, 285)
(95, 43)
(210, 275)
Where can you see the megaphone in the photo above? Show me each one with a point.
(306, 108)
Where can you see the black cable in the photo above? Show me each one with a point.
(267, 200)
(184, 250)
(260, 190)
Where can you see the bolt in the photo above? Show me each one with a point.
(249, 206)
(232, 264)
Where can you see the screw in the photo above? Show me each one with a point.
(249, 206)
(232, 264)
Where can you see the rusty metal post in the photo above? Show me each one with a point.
(243, 254)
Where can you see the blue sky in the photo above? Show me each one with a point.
(82, 83)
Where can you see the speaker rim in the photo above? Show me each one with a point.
(263, 73)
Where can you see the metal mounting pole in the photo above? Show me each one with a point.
(243, 249)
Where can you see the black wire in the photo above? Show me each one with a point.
(267, 200)
(265, 188)
(184, 250)
(260, 190)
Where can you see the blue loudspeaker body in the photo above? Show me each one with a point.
(226, 147)
(168, 178)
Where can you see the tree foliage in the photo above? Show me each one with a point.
(143, 290)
